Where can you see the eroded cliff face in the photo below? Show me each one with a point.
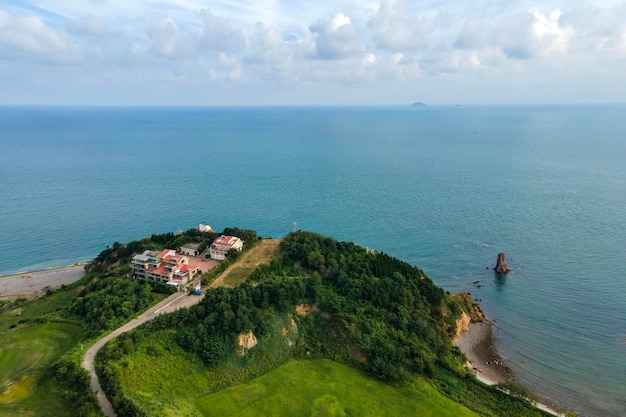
(462, 325)
(471, 313)
(246, 342)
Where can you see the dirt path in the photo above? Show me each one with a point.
(255, 256)
(234, 274)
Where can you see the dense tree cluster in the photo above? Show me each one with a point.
(108, 303)
(247, 235)
(388, 308)
(73, 384)
(375, 310)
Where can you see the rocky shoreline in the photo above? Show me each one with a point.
(478, 344)
(479, 347)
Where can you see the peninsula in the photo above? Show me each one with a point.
(307, 309)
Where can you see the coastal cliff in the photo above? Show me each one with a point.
(470, 313)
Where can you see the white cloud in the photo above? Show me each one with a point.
(396, 28)
(266, 45)
(29, 38)
(218, 34)
(89, 26)
(337, 38)
(164, 37)
(472, 35)
(532, 34)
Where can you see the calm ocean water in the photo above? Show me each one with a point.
(444, 188)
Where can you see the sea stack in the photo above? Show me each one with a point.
(501, 268)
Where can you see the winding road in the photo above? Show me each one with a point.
(259, 254)
(170, 304)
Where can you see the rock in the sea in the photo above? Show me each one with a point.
(501, 268)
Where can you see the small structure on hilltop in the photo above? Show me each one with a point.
(501, 267)
(223, 244)
(190, 249)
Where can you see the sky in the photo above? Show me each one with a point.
(304, 52)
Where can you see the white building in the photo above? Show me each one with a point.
(223, 244)
(205, 228)
(190, 249)
(165, 267)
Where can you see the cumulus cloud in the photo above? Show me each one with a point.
(532, 34)
(269, 43)
(218, 34)
(472, 35)
(396, 28)
(89, 26)
(164, 36)
(30, 38)
(266, 45)
(337, 38)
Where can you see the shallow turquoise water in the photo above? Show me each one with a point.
(443, 188)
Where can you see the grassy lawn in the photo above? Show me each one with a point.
(164, 380)
(327, 388)
(262, 253)
(36, 308)
(25, 377)
(161, 377)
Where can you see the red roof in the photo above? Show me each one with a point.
(226, 240)
(164, 253)
(186, 268)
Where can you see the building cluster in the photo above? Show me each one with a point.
(173, 268)
(166, 267)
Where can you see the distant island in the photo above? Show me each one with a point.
(418, 104)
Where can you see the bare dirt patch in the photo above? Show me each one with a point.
(262, 253)
(205, 265)
(305, 309)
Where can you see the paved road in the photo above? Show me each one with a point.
(171, 303)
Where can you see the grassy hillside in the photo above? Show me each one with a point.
(320, 388)
(162, 380)
(26, 359)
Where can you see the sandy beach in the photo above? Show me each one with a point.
(34, 284)
(479, 347)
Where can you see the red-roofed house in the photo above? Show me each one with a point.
(223, 244)
(165, 267)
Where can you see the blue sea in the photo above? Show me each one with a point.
(444, 188)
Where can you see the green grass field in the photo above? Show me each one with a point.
(25, 377)
(326, 388)
(164, 380)
(36, 308)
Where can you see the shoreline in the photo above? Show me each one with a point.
(478, 344)
(33, 284)
(34, 272)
